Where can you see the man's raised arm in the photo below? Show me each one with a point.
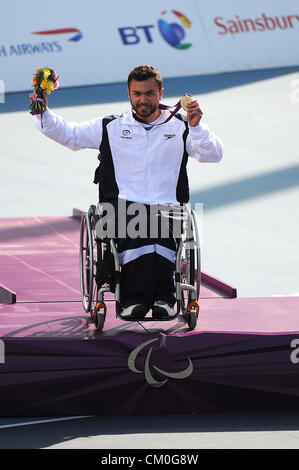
(75, 136)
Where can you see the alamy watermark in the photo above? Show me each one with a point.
(2, 352)
(2, 91)
(137, 220)
(294, 357)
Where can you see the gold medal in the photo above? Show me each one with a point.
(185, 100)
(183, 103)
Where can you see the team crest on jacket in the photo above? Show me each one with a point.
(126, 134)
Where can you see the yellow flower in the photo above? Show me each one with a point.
(46, 73)
(44, 84)
(47, 85)
(50, 87)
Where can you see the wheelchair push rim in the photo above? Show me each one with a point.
(87, 261)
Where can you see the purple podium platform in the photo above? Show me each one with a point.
(242, 356)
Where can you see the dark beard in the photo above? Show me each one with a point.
(145, 112)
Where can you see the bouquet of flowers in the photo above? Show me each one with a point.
(45, 79)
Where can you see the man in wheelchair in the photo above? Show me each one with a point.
(143, 157)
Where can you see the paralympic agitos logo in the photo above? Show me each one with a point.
(146, 369)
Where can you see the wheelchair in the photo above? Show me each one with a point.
(100, 270)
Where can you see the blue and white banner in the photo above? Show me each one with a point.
(100, 42)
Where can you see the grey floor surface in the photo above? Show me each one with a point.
(278, 430)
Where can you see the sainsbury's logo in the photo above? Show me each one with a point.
(260, 24)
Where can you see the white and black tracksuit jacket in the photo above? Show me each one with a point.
(140, 166)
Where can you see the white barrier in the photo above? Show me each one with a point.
(101, 42)
(2, 91)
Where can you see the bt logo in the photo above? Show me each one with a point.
(172, 32)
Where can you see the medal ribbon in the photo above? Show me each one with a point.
(176, 107)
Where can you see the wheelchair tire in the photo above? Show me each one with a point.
(87, 261)
(192, 320)
(195, 263)
(100, 320)
(191, 266)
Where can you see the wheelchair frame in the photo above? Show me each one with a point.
(187, 271)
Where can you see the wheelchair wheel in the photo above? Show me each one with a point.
(100, 315)
(88, 259)
(192, 320)
(195, 263)
(190, 265)
(99, 321)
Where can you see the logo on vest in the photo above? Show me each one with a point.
(169, 136)
(126, 134)
(147, 367)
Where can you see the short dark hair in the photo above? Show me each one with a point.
(144, 72)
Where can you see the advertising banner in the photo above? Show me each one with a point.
(252, 35)
(97, 43)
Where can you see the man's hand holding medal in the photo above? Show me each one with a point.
(194, 113)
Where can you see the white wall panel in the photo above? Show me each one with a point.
(113, 37)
